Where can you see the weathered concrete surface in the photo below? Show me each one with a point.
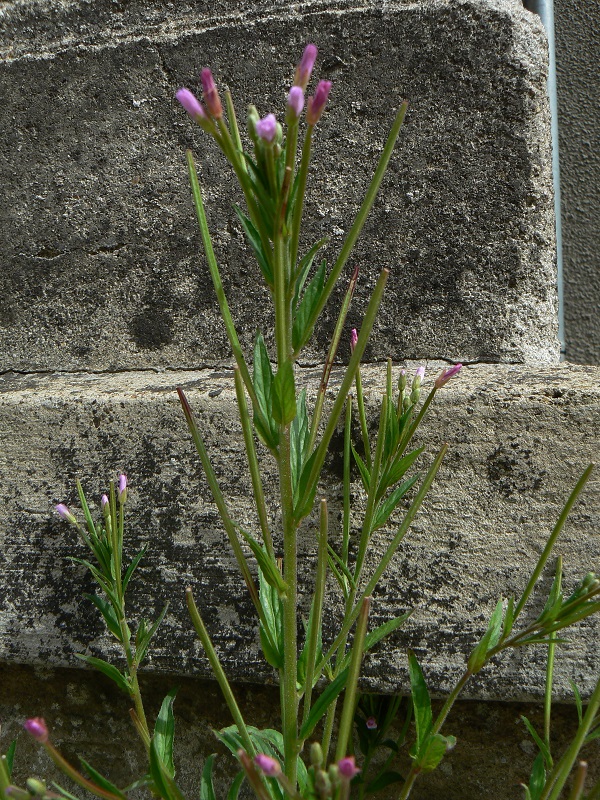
(493, 754)
(100, 252)
(578, 83)
(519, 439)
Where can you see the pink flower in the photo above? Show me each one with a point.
(36, 726)
(63, 511)
(104, 501)
(353, 339)
(316, 104)
(305, 67)
(268, 765)
(210, 94)
(347, 767)
(371, 724)
(443, 379)
(191, 104)
(296, 100)
(420, 373)
(266, 128)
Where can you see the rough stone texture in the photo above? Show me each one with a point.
(100, 256)
(493, 754)
(577, 28)
(519, 439)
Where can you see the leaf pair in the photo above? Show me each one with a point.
(275, 395)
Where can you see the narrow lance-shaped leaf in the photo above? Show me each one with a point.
(284, 394)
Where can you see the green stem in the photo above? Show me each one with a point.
(347, 465)
(579, 781)
(299, 202)
(550, 673)
(373, 487)
(4, 776)
(340, 401)
(553, 537)
(233, 123)
(219, 291)
(76, 777)
(364, 432)
(317, 611)
(559, 775)
(220, 501)
(257, 487)
(333, 347)
(417, 421)
(352, 682)
(218, 671)
(290, 635)
(349, 619)
(328, 730)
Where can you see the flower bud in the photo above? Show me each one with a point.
(305, 67)
(443, 379)
(323, 784)
(316, 754)
(266, 128)
(334, 774)
(316, 104)
(63, 511)
(268, 765)
(295, 101)
(191, 104)
(347, 767)
(36, 726)
(122, 488)
(353, 339)
(210, 94)
(402, 381)
(36, 787)
(16, 793)
(103, 501)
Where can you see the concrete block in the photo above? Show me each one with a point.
(101, 265)
(519, 439)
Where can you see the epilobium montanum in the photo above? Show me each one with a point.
(319, 672)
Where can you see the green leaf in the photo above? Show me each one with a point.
(254, 238)
(144, 635)
(271, 634)
(263, 387)
(10, 756)
(363, 469)
(268, 568)
(490, 639)
(63, 792)
(100, 780)
(302, 326)
(299, 439)
(164, 732)
(304, 266)
(384, 780)
(542, 747)
(306, 493)
(421, 701)
(325, 699)
(284, 394)
(108, 612)
(397, 470)
(509, 618)
(132, 567)
(111, 672)
(335, 562)
(578, 701)
(207, 791)
(537, 778)
(391, 503)
(235, 787)
(434, 750)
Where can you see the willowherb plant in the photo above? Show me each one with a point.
(318, 672)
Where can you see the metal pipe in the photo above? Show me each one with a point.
(545, 10)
